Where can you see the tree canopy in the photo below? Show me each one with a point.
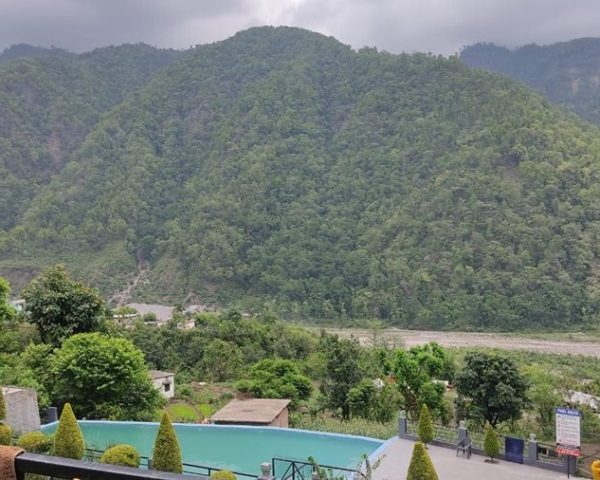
(60, 307)
(113, 369)
(282, 168)
(491, 388)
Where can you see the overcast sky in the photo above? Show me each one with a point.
(438, 26)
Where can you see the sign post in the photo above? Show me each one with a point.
(568, 434)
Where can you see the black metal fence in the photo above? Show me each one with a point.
(58, 467)
(288, 469)
(93, 455)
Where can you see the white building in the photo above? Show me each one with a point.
(164, 382)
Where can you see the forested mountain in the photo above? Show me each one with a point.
(568, 73)
(282, 167)
(49, 101)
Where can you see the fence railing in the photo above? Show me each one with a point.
(288, 469)
(534, 453)
(58, 467)
(93, 455)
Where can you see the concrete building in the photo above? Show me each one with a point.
(265, 412)
(22, 412)
(164, 382)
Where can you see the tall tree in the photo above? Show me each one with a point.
(342, 372)
(60, 307)
(104, 377)
(491, 388)
(6, 310)
(416, 372)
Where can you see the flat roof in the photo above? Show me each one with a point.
(256, 410)
(154, 374)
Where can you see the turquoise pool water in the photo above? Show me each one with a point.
(236, 448)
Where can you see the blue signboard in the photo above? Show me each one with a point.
(513, 449)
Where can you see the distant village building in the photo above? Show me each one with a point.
(265, 412)
(22, 412)
(575, 397)
(164, 382)
(18, 305)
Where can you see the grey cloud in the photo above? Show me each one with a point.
(439, 26)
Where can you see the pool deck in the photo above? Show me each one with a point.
(394, 466)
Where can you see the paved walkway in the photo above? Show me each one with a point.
(394, 466)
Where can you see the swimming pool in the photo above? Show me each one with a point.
(236, 448)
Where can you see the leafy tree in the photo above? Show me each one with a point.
(421, 467)
(6, 310)
(68, 439)
(221, 361)
(491, 444)
(545, 395)
(492, 387)
(415, 371)
(104, 377)
(373, 400)
(425, 427)
(277, 378)
(60, 307)
(166, 456)
(122, 454)
(341, 373)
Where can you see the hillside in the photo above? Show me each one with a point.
(49, 101)
(280, 167)
(568, 73)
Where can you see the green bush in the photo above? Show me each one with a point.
(425, 428)
(125, 455)
(491, 445)
(167, 454)
(5, 434)
(35, 442)
(2, 406)
(420, 467)
(223, 475)
(68, 439)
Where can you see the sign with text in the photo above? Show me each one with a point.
(568, 431)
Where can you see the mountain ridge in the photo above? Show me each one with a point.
(568, 73)
(281, 168)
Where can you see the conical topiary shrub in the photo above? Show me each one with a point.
(166, 456)
(420, 467)
(425, 427)
(68, 439)
(123, 454)
(491, 445)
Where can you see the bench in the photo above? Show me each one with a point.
(464, 446)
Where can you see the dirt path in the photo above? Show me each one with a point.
(411, 338)
(121, 297)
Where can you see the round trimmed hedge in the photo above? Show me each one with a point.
(35, 442)
(223, 475)
(123, 454)
(5, 434)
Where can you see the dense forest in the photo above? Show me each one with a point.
(568, 73)
(282, 169)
